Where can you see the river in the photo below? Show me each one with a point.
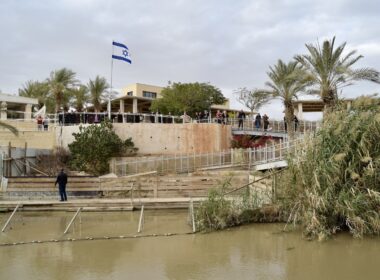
(257, 251)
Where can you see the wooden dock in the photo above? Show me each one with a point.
(99, 204)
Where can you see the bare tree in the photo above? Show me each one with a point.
(252, 99)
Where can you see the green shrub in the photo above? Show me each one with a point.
(94, 146)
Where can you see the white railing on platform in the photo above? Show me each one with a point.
(275, 126)
(272, 152)
(178, 163)
(186, 163)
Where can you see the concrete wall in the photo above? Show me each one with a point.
(35, 139)
(166, 138)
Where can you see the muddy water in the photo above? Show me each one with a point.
(251, 252)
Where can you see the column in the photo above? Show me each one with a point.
(121, 106)
(28, 112)
(134, 109)
(3, 110)
(300, 111)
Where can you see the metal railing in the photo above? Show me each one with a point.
(275, 126)
(178, 163)
(77, 118)
(186, 163)
(273, 152)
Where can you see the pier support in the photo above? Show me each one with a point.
(10, 218)
(72, 220)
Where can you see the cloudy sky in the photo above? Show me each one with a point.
(228, 43)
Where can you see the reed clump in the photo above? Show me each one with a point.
(223, 209)
(333, 179)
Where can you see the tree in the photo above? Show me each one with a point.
(252, 99)
(330, 70)
(39, 90)
(286, 82)
(94, 146)
(80, 97)
(60, 83)
(190, 97)
(97, 88)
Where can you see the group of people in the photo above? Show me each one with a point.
(42, 123)
(221, 117)
(202, 117)
(295, 121)
(258, 121)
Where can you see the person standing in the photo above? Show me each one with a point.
(39, 122)
(266, 122)
(62, 181)
(258, 121)
(241, 117)
(295, 119)
(46, 123)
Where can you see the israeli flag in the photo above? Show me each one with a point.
(121, 52)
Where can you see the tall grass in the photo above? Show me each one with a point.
(223, 209)
(333, 179)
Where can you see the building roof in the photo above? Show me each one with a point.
(17, 99)
(315, 105)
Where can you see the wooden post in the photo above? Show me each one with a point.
(141, 220)
(25, 153)
(9, 165)
(72, 220)
(10, 218)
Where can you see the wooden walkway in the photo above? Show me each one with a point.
(99, 204)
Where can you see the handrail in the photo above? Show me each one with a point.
(191, 209)
(141, 220)
(250, 183)
(9, 219)
(31, 167)
(72, 220)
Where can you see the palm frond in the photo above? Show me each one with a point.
(9, 127)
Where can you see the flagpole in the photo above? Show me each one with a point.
(109, 94)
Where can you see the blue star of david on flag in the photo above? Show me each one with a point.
(121, 52)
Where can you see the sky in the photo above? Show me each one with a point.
(227, 43)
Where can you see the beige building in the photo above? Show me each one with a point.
(16, 107)
(137, 98)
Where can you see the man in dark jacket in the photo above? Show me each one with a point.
(241, 117)
(62, 181)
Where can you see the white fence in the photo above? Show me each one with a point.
(181, 163)
(186, 163)
(275, 126)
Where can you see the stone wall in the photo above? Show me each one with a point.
(151, 139)
(166, 138)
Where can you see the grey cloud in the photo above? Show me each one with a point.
(227, 43)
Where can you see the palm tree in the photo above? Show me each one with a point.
(330, 70)
(97, 88)
(286, 82)
(39, 90)
(60, 82)
(80, 95)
